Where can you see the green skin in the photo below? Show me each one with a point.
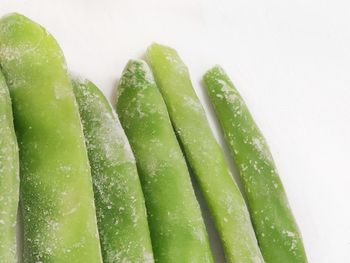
(275, 227)
(9, 177)
(225, 202)
(177, 228)
(120, 205)
(56, 195)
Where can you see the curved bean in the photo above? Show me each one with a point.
(274, 224)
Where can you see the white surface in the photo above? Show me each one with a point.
(289, 59)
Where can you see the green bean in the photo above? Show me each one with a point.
(177, 229)
(205, 156)
(277, 232)
(9, 177)
(120, 205)
(56, 195)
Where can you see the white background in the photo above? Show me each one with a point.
(289, 59)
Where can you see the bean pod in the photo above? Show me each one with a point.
(274, 224)
(59, 217)
(120, 205)
(177, 229)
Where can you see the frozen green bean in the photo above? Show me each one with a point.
(56, 195)
(120, 205)
(225, 202)
(9, 177)
(177, 229)
(274, 224)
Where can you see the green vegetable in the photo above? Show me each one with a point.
(9, 179)
(177, 229)
(59, 217)
(274, 224)
(205, 156)
(120, 206)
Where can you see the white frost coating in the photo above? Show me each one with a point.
(199, 233)
(123, 139)
(260, 145)
(138, 75)
(289, 233)
(131, 76)
(147, 257)
(228, 92)
(62, 93)
(111, 125)
(192, 103)
(10, 53)
(172, 57)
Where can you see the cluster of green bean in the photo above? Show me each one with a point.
(89, 192)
